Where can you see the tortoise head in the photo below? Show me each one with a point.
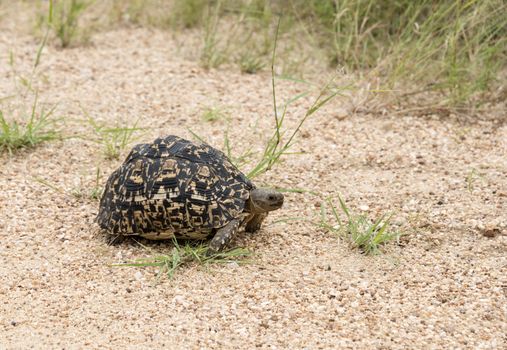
(264, 199)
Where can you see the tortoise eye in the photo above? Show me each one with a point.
(271, 198)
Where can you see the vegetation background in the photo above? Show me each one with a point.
(455, 49)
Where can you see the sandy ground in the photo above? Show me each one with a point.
(445, 287)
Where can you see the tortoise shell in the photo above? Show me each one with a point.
(173, 187)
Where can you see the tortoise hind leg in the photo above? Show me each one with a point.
(255, 222)
(223, 237)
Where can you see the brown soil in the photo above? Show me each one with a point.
(444, 287)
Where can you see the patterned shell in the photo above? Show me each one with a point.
(173, 185)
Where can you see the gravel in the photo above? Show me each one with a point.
(444, 287)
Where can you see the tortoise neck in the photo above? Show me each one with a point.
(251, 208)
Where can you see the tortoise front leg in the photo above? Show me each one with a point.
(255, 222)
(223, 237)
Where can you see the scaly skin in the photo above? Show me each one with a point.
(223, 237)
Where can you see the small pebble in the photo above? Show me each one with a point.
(138, 275)
(491, 232)
(233, 264)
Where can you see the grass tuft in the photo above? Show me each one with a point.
(66, 20)
(94, 193)
(131, 11)
(63, 19)
(276, 147)
(281, 140)
(188, 254)
(471, 178)
(97, 190)
(188, 13)
(113, 140)
(40, 127)
(212, 54)
(358, 230)
(453, 47)
(251, 63)
(213, 114)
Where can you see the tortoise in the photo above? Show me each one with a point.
(174, 188)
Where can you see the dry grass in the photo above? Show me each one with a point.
(187, 254)
(452, 48)
(40, 126)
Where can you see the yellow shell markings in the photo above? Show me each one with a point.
(197, 221)
(211, 207)
(137, 179)
(204, 171)
(165, 234)
(138, 165)
(198, 209)
(169, 165)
